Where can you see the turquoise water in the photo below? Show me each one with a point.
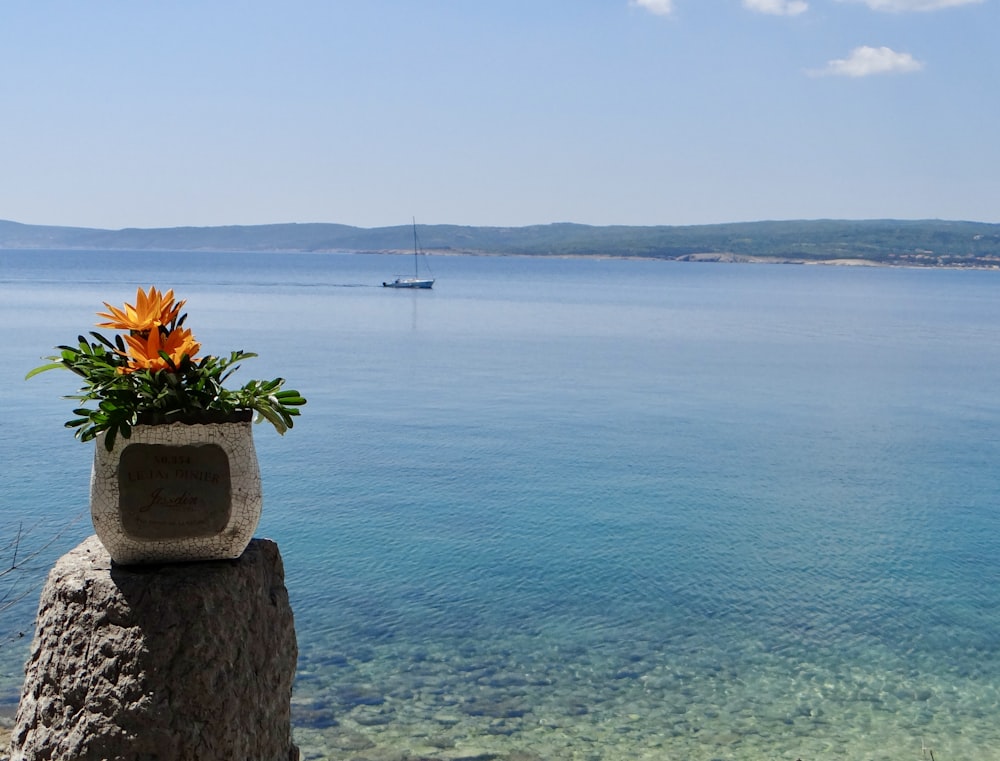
(589, 509)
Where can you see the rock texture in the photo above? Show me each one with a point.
(173, 662)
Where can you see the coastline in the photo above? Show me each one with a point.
(702, 258)
(922, 261)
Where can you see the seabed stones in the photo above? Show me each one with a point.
(533, 700)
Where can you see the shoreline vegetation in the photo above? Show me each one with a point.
(910, 243)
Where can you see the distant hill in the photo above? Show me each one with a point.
(922, 242)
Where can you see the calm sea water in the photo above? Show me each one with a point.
(586, 509)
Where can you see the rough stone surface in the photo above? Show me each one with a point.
(173, 662)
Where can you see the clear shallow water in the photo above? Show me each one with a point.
(591, 510)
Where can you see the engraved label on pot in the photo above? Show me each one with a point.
(174, 492)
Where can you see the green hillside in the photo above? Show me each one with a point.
(923, 242)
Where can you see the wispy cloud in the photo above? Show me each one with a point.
(867, 61)
(777, 7)
(659, 7)
(902, 6)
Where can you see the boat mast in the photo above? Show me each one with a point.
(415, 274)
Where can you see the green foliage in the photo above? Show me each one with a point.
(115, 397)
(910, 242)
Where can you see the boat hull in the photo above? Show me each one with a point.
(408, 282)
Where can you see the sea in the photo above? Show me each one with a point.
(587, 509)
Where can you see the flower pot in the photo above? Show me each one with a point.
(177, 492)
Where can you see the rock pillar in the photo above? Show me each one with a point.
(179, 662)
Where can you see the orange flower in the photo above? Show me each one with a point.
(144, 350)
(151, 310)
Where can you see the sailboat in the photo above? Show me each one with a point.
(416, 281)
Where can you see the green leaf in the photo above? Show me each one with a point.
(44, 368)
(290, 398)
(271, 416)
(102, 339)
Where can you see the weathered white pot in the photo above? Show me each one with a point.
(177, 492)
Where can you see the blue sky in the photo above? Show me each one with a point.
(368, 112)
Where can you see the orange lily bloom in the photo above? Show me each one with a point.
(144, 350)
(151, 310)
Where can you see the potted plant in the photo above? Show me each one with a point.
(175, 473)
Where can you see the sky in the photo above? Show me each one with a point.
(505, 113)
